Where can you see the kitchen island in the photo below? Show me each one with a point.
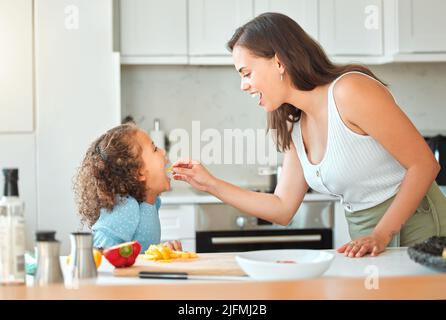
(392, 275)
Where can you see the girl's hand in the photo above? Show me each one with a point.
(193, 173)
(174, 245)
(359, 247)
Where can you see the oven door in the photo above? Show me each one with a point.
(222, 228)
(248, 240)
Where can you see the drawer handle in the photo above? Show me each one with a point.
(265, 239)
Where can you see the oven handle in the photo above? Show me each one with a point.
(265, 239)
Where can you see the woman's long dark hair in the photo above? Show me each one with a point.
(305, 62)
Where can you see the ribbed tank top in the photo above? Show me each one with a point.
(356, 168)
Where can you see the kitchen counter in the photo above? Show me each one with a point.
(192, 196)
(395, 277)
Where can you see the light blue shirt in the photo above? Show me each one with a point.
(128, 221)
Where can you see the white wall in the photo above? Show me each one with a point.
(419, 89)
(180, 94)
(75, 102)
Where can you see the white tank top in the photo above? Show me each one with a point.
(355, 167)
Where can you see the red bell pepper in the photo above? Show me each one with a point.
(124, 254)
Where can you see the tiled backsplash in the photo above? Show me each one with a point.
(179, 95)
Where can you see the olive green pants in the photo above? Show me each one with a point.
(428, 220)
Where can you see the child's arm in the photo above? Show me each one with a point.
(174, 245)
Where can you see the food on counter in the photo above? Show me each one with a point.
(123, 255)
(286, 261)
(97, 255)
(163, 253)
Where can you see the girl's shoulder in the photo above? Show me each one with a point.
(119, 224)
(125, 208)
(151, 207)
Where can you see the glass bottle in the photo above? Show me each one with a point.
(12, 231)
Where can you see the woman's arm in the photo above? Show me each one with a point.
(368, 105)
(279, 207)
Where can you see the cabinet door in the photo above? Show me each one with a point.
(213, 22)
(177, 222)
(153, 28)
(422, 25)
(16, 66)
(351, 27)
(304, 12)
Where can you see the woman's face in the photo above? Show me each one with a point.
(154, 158)
(261, 78)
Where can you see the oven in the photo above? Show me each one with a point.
(222, 228)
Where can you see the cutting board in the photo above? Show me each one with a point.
(215, 264)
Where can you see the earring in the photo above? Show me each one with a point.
(281, 77)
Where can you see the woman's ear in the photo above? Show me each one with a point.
(279, 64)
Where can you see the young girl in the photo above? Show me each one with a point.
(117, 188)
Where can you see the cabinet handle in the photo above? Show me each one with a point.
(265, 239)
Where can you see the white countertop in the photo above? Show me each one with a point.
(393, 262)
(192, 196)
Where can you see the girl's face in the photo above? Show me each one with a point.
(261, 78)
(154, 172)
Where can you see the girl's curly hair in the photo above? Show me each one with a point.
(110, 168)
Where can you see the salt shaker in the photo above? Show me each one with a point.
(48, 262)
(82, 265)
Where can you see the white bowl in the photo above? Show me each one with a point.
(284, 264)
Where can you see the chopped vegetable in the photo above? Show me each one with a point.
(163, 253)
(123, 255)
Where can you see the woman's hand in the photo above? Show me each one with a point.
(372, 244)
(193, 173)
(174, 245)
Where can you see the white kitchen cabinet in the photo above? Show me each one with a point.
(350, 28)
(304, 12)
(422, 26)
(211, 25)
(177, 221)
(340, 231)
(77, 100)
(153, 31)
(16, 66)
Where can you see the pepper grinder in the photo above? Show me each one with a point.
(82, 265)
(48, 263)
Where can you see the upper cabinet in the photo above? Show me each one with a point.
(351, 27)
(211, 25)
(304, 12)
(16, 65)
(422, 26)
(153, 31)
(360, 31)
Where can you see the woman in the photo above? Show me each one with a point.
(341, 132)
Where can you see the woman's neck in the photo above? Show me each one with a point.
(309, 102)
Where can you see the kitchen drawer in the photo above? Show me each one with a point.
(177, 222)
